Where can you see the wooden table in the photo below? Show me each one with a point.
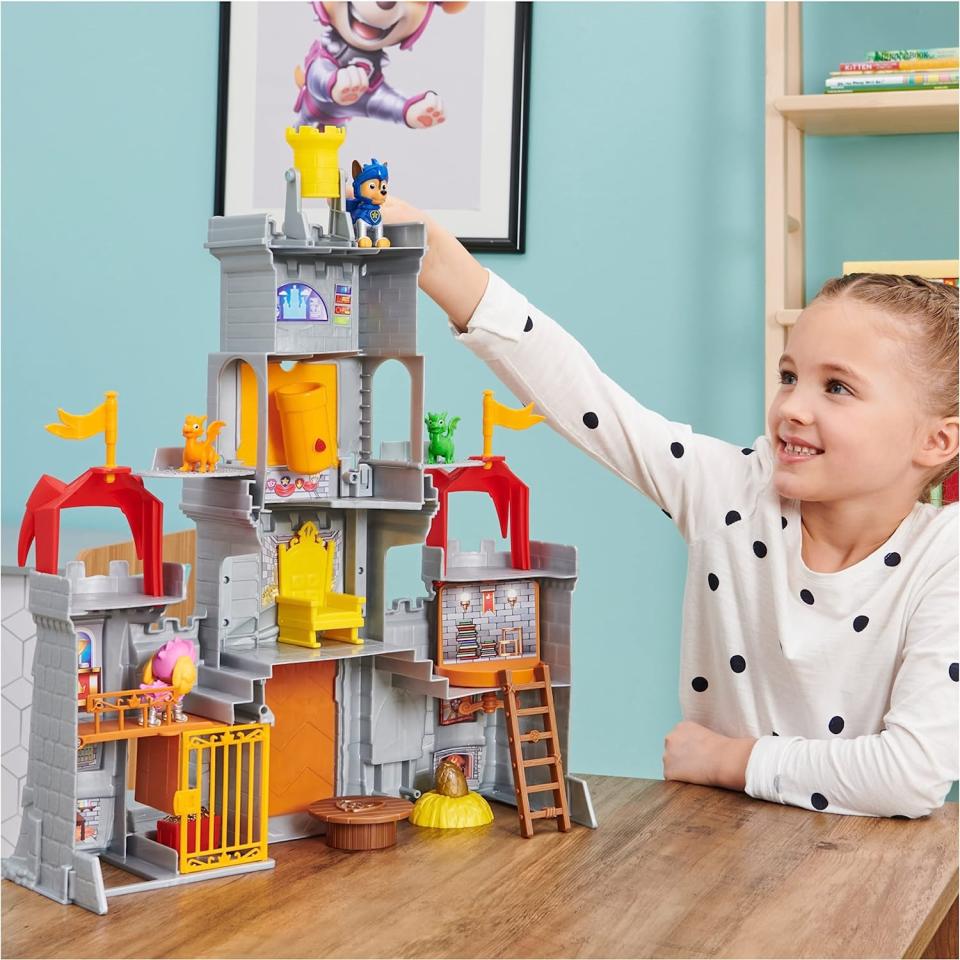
(361, 823)
(674, 871)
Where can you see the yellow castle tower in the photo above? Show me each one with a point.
(315, 156)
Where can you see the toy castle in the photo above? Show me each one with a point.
(309, 683)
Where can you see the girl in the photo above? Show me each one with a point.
(819, 650)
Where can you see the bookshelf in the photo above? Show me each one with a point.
(790, 115)
(872, 114)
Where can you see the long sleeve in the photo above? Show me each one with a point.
(700, 482)
(907, 768)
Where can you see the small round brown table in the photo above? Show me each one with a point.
(361, 823)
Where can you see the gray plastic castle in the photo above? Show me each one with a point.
(274, 725)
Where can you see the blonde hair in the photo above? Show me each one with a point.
(926, 311)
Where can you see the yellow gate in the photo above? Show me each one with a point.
(222, 796)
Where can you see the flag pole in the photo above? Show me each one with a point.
(103, 419)
(110, 432)
(496, 414)
(487, 428)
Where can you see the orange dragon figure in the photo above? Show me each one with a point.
(200, 455)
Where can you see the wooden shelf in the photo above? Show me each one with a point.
(865, 114)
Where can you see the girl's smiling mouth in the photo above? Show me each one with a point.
(790, 452)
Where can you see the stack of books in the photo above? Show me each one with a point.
(933, 69)
(468, 646)
(488, 648)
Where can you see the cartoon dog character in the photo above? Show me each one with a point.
(342, 75)
(173, 665)
(369, 193)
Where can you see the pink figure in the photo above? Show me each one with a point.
(174, 664)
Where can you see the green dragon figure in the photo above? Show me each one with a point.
(441, 437)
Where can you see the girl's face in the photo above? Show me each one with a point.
(846, 396)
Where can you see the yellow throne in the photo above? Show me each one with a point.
(305, 603)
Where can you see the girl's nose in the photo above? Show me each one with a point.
(795, 408)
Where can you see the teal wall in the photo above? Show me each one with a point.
(108, 152)
(109, 132)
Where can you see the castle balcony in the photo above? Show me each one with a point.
(124, 715)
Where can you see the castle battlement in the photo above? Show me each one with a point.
(406, 607)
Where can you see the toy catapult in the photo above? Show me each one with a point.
(309, 683)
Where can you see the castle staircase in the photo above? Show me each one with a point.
(417, 676)
(231, 693)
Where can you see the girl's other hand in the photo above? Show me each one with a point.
(695, 754)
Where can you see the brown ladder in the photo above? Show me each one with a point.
(544, 708)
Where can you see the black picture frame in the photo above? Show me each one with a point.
(513, 239)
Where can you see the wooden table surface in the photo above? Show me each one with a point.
(675, 870)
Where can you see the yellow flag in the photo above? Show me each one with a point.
(80, 426)
(497, 415)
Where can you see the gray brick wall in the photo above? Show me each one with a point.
(521, 613)
(19, 639)
(44, 849)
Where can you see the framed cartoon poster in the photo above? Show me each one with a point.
(436, 90)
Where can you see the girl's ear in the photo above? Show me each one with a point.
(356, 169)
(941, 442)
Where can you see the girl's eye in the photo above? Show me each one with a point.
(831, 383)
(785, 377)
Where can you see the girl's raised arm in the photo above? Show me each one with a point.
(698, 481)
(449, 275)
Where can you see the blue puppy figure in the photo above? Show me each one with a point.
(369, 192)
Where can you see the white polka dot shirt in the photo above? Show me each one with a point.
(848, 679)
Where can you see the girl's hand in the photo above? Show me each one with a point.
(395, 210)
(695, 754)
(448, 273)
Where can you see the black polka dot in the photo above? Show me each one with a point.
(746, 451)
(807, 597)
(955, 672)
(819, 801)
(665, 513)
(699, 684)
(836, 725)
(738, 664)
(528, 326)
(676, 449)
(783, 523)
(892, 559)
(591, 420)
(713, 581)
(760, 548)
(860, 622)
(774, 734)
(732, 517)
